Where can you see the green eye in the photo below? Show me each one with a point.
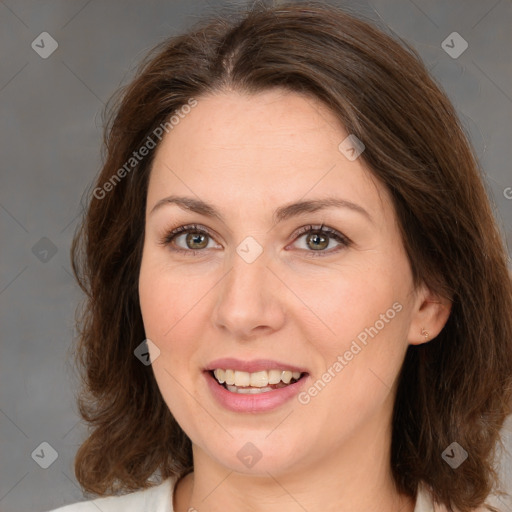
(318, 238)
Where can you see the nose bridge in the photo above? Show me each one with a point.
(247, 297)
(247, 280)
(248, 263)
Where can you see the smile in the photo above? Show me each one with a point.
(263, 381)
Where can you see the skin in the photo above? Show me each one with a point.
(248, 155)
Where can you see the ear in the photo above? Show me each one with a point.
(430, 314)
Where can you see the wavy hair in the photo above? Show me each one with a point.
(457, 387)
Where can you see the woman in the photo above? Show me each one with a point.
(297, 297)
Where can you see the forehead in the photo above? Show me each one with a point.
(236, 122)
(273, 146)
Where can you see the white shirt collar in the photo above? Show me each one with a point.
(424, 502)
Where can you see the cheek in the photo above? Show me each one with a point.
(342, 304)
(174, 319)
(168, 301)
(167, 324)
(357, 383)
(362, 340)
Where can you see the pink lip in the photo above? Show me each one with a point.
(263, 402)
(256, 365)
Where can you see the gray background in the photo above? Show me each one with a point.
(51, 129)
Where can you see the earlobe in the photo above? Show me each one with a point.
(429, 317)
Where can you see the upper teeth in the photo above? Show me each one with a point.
(256, 379)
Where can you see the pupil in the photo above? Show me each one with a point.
(193, 239)
(315, 237)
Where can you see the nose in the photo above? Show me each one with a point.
(250, 300)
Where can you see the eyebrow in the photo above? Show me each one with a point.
(280, 214)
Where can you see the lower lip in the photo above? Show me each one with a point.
(261, 402)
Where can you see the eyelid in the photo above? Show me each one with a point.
(322, 228)
(170, 234)
(342, 239)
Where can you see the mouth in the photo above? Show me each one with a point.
(256, 386)
(255, 383)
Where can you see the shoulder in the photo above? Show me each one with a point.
(157, 499)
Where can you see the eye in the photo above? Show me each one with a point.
(196, 239)
(318, 238)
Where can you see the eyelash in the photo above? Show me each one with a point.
(168, 238)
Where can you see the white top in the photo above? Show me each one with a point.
(159, 499)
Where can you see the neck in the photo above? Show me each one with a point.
(356, 477)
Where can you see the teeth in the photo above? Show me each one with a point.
(286, 377)
(260, 379)
(230, 377)
(242, 379)
(274, 376)
(248, 391)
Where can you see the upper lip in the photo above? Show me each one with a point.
(256, 365)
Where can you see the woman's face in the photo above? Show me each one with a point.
(259, 293)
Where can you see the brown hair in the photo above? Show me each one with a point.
(457, 387)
